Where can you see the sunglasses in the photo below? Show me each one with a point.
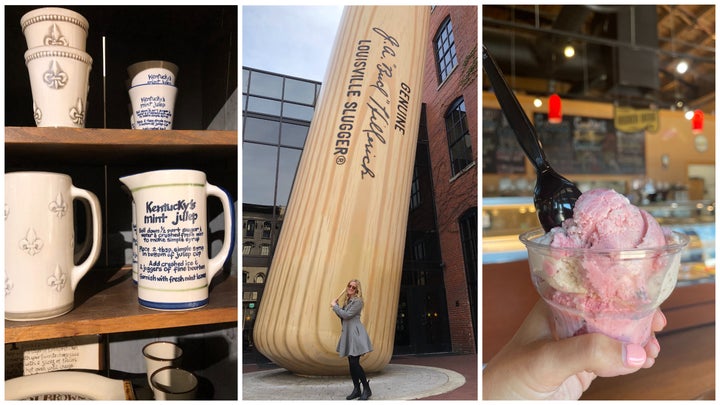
(354, 287)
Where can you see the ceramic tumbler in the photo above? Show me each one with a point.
(54, 26)
(59, 80)
(153, 106)
(152, 72)
(161, 354)
(173, 383)
(40, 273)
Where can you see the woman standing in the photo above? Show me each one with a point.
(354, 340)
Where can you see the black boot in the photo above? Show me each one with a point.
(356, 391)
(366, 393)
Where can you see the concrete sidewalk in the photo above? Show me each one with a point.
(429, 377)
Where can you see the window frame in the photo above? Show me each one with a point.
(445, 34)
(451, 130)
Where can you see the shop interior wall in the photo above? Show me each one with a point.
(674, 138)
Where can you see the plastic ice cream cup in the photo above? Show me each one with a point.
(610, 291)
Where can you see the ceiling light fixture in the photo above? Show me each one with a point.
(569, 51)
(537, 102)
(689, 115)
(682, 67)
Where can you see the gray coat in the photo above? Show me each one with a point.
(354, 340)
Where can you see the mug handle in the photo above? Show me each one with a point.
(81, 269)
(81, 251)
(216, 263)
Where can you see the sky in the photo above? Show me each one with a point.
(289, 40)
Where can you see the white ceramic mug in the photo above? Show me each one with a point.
(59, 80)
(161, 354)
(170, 383)
(174, 267)
(40, 273)
(54, 26)
(153, 106)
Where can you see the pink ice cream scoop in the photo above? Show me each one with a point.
(605, 219)
(606, 269)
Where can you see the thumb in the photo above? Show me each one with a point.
(595, 353)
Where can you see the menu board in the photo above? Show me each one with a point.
(583, 145)
(502, 153)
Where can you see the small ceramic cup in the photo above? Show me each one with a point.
(59, 80)
(153, 106)
(154, 76)
(152, 72)
(161, 354)
(56, 27)
(173, 383)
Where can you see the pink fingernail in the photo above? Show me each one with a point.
(634, 355)
(655, 342)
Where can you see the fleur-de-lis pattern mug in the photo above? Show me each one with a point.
(40, 271)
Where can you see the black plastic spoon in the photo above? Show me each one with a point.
(555, 195)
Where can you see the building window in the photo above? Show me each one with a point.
(415, 199)
(445, 54)
(419, 250)
(265, 250)
(247, 248)
(260, 278)
(458, 136)
(266, 230)
(250, 228)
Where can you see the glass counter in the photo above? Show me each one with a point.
(503, 220)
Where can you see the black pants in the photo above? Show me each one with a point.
(356, 371)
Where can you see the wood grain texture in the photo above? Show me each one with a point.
(110, 305)
(347, 213)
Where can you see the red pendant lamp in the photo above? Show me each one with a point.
(698, 120)
(554, 109)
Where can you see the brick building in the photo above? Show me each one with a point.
(450, 97)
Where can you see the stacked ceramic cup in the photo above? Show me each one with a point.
(58, 66)
(152, 94)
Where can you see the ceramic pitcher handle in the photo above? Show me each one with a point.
(81, 251)
(81, 269)
(216, 263)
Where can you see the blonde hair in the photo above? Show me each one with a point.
(358, 292)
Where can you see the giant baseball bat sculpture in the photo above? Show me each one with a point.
(347, 213)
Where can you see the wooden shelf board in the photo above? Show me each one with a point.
(117, 137)
(119, 146)
(106, 302)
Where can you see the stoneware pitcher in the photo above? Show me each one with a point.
(174, 267)
(40, 271)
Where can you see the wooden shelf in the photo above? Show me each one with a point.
(91, 145)
(106, 302)
(112, 138)
(106, 299)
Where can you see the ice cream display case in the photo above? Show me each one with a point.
(505, 218)
(697, 220)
